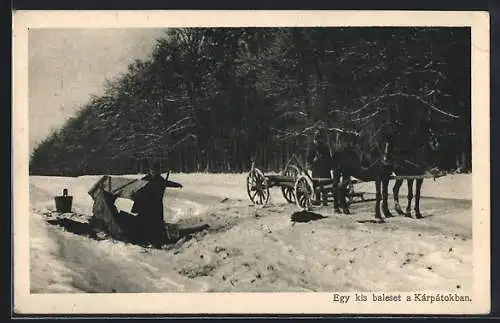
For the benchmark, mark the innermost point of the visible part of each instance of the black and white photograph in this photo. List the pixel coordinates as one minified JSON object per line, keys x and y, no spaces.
{"x":252,"y":156}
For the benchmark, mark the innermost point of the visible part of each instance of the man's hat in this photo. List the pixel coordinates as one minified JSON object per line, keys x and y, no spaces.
{"x":155,"y":167}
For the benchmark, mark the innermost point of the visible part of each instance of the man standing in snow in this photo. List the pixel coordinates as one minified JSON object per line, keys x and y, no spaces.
{"x":148,"y":203}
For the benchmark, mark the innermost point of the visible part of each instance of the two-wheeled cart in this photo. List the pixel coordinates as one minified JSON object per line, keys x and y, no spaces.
{"x":297,"y":186}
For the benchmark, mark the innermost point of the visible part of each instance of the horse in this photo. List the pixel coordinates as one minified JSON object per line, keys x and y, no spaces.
{"x":375,"y":160}
{"x":367,"y":164}
{"x":414,"y":161}
{"x":319,"y":158}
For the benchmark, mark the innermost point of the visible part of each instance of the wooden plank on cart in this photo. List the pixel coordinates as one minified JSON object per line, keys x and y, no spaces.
{"x":281,"y":178}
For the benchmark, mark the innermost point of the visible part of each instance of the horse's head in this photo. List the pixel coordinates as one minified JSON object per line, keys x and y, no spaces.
{"x":419,"y":136}
{"x":429,"y":144}
{"x":319,"y":136}
{"x":429,"y":138}
{"x":433,"y":140}
{"x":433,"y":154}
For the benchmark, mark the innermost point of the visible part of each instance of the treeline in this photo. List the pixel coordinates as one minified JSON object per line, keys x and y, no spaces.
{"x":211,"y":99}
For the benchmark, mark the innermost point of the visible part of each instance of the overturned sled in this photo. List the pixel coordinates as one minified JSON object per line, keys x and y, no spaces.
{"x":122,"y":225}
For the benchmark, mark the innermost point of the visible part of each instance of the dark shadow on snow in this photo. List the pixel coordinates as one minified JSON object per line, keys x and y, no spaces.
{"x":76,"y":227}
{"x":128,"y":222}
{"x":306,"y":216}
{"x":192,"y":230}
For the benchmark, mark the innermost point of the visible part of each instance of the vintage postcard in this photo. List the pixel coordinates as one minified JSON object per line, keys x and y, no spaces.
{"x":287,"y":162}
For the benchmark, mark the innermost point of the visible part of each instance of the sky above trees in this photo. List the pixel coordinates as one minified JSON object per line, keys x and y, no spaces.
{"x":66,"y":66}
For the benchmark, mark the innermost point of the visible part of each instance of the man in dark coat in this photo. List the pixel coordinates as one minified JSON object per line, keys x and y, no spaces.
{"x":148,"y":203}
{"x":321,"y":163}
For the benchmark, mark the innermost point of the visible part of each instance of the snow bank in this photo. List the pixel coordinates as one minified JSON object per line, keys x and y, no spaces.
{"x":337,"y":252}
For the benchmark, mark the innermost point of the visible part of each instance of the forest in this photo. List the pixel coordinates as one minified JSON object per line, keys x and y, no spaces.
{"x":213,"y":99}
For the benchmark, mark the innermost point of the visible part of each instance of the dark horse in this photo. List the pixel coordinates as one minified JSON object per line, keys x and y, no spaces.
{"x":375,"y":158}
{"x":416,"y":160}
{"x":320,"y":160}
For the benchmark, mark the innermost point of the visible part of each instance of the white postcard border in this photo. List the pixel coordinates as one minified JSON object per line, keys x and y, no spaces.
{"x":227,"y":303}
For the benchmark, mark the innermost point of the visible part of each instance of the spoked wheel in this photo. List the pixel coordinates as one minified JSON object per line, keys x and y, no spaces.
{"x":257,"y":188}
{"x":304,"y":192}
{"x":288,"y":191}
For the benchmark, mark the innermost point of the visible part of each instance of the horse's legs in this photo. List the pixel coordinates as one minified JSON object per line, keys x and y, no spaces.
{"x":332,"y":191}
{"x":418,"y":188}
{"x":317,"y":191}
{"x":378,"y":183}
{"x":343,"y":190}
{"x":385,"y":197}
{"x":410,"y":197}
{"x":324,"y":196}
{"x":317,"y":195}
{"x":395,"y":192}
{"x":335,"y":188}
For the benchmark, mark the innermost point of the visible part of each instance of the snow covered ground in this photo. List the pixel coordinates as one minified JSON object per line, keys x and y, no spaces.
{"x":249,"y":249}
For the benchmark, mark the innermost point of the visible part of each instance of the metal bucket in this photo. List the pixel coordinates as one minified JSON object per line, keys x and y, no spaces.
{"x":64,"y":202}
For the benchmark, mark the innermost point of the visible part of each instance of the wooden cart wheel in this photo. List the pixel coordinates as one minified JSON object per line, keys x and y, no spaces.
{"x":288,"y":192}
{"x":304,"y":192}
{"x":257,"y":188}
